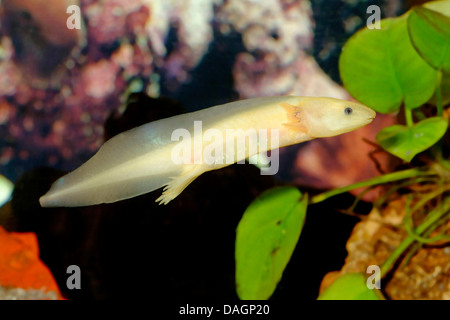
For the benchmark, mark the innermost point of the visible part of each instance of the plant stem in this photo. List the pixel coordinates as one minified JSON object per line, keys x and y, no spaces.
{"x":431,"y":218}
{"x":399,"y":175}
{"x":438,"y":93}
{"x":408,"y":117}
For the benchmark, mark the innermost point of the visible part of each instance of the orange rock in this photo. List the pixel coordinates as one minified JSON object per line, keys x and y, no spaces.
{"x":20,"y":266}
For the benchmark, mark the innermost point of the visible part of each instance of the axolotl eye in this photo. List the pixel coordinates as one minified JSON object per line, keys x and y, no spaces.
{"x":348,"y":111}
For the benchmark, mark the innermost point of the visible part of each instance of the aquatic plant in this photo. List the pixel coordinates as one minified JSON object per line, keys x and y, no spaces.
{"x":403,"y":67}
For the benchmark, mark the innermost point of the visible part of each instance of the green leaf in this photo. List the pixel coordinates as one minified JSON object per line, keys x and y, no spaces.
{"x":429,"y":32}
{"x":439,"y":6}
{"x":381,"y":68}
{"x":266,"y":238}
{"x":350,"y":286}
{"x":406,"y":142}
{"x":444,"y":8}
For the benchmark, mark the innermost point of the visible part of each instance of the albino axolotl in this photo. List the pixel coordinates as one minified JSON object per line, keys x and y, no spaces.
{"x":141,"y":160}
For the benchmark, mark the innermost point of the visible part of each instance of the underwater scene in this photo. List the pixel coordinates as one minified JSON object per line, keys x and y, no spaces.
{"x":224,"y":150}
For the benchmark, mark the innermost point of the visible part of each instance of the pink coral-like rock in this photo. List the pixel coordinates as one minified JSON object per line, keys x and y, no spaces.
{"x":107,"y":19}
{"x":99,"y":79}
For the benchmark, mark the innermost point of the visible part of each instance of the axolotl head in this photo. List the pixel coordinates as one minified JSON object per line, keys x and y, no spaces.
{"x":327,"y":117}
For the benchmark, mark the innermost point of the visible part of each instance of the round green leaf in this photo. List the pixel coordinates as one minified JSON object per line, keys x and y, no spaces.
{"x":381,"y":68}
{"x":444,"y":8}
{"x":350,"y":286}
{"x":405,"y":142}
{"x":430,"y":34}
{"x":266,"y":238}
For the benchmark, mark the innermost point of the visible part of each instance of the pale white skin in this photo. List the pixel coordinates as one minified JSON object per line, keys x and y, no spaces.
{"x":140,"y":160}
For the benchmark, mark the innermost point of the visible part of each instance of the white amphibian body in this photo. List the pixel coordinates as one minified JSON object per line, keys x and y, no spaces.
{"x":141,"y":160}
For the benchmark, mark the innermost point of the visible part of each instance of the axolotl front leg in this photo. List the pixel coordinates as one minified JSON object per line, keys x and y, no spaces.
{"x":178,"y":183}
